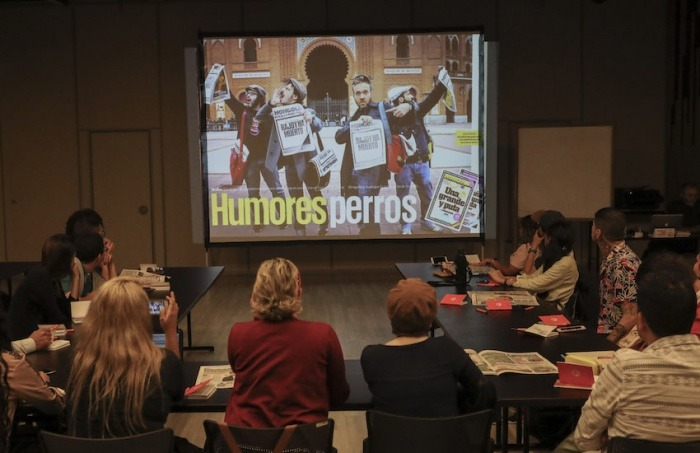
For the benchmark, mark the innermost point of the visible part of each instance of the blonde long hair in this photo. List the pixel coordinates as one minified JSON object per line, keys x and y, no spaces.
{"x":115,"y":357}
{"x":277,"y":290}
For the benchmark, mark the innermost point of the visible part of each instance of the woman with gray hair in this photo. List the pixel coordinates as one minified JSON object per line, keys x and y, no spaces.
{"x":288,"y":371}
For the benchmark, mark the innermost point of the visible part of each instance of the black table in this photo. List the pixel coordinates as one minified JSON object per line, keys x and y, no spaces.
{"x":478,"y":331}
{"x":190,"y":284}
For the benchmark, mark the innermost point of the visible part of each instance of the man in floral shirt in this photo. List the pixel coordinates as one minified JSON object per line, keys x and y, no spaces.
{"x":618,"y":290}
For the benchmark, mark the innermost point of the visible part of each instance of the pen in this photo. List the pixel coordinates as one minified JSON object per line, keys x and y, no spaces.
{"x":529,"y":308}
{"x":481,"y":310}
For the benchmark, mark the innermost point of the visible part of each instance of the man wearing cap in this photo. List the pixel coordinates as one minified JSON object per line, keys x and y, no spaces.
{"x":367,"y":182}
{"x":291,"y":92}
{"x":255,"y":140}
{"x":417,"y":168}
{"x":618,"y":289}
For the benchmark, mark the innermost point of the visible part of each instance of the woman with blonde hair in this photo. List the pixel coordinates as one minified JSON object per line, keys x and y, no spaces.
{"x":288,"y":371}
{"x":121,"y":383}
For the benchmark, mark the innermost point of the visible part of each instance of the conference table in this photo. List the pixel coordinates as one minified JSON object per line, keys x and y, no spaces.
{"x":475,"y":330}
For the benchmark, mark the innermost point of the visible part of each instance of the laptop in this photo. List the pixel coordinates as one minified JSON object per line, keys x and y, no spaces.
{"x":667,"y":220}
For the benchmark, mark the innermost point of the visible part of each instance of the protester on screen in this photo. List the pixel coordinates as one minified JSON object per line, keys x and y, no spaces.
{"x":287,"y":370}
{"x":121,"y":383}
{"x":653,"y":394}
{"x":89,"y":221}
{"x":618,"y":289}
{"x":396,"y":371}
{"x":687,"y":205}
{"x":557,"y":275}
{"x":254,"y":137}
{"x":295,"y":166}
{"x":516,"y":264}
{"x":39,"y":299}
{"x":367,"y":182}
{"x":416,"y":169}
{"x":21,"y":384}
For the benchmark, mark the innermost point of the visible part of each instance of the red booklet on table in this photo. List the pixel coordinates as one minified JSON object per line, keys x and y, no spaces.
{"x":498,"y":304}
{"x":555,"y":320}
{"x":454,"y":299}
{"x":572,"y":375}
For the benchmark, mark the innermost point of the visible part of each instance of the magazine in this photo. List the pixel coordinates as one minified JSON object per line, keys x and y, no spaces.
{"x":495,"y":363}
{"x":520,"y":297}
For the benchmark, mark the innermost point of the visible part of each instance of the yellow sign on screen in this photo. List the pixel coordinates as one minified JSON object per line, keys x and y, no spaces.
{"x":467,"y":137}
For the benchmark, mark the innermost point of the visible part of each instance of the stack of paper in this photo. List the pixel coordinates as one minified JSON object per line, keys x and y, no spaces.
{"x":79,"y":309}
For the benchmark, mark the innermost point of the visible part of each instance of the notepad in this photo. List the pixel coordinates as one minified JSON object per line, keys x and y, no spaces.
{"x":58,"y":344}
{"x":575,"y":376}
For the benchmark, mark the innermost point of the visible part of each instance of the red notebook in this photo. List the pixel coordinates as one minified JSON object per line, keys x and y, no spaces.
{"x":555,"y":320}
{"x":498,"y":304}
{"x":573,"y":375}
{"x":454,"y":299}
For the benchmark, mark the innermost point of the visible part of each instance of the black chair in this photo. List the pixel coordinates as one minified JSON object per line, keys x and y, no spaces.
{"x":388,"y":433}
{"x":629,"y":445}
{"x":584,"y":304}
{"x":160,"y":441}
{"x":308,"y":437}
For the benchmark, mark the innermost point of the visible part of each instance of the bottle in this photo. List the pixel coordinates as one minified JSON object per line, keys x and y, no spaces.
{"x":461,"y":271}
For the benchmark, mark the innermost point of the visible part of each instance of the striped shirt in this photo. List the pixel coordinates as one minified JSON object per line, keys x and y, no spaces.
{"x":652,"y":395}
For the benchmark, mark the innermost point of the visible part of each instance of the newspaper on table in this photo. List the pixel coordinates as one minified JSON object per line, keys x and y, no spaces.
{"x":449,"y":203}
{"x":367,"y":144}
{"x":518,"y":297}
{"x":221,"y":375}
{"x":495,"y":363}
{"x":146,"y":278}
{"x":293,"y":131}
{"x":216,"y":85}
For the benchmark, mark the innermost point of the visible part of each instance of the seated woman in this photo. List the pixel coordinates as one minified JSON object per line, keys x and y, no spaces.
{"x":557,"y":275}
{"x":121,"y":383}
{"x":416,"y":375}
{"x":19,"y":382}
{"x":288,"y":371}
{"x":39,"y":299}
{"x":516,"y":264}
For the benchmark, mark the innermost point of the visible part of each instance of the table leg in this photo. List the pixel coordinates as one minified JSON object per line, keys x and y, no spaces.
{"x":504,"y":429}
{"x":189,"y":346}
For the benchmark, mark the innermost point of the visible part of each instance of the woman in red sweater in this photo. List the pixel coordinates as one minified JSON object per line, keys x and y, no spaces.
{"x":288,"y":371}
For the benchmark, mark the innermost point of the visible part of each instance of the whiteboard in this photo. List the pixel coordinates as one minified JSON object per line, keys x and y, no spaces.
{"x":568,"y":169}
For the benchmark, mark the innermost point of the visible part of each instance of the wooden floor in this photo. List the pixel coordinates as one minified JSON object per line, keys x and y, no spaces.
{"x":352,"y":302}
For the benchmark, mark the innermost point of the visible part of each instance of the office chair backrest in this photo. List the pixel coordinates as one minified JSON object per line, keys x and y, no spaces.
{"x":388,"y":433}
{"x":160,"y":441}
{"x":629,"y":445}
{"x":308,"y":437}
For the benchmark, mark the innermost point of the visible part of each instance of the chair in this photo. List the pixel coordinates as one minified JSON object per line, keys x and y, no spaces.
{"x":629,"y":445}
{"x":584,"y":303}
{"x":308,"y":437}
{"x":388,"y":433}
{"x":160,"y":441}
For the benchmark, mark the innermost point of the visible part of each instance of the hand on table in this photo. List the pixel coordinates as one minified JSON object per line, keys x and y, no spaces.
{"x":497,"y":277}
{"x":42,"y":338}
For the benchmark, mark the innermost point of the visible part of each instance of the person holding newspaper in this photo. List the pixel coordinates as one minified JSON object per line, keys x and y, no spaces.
{"x":291,"y":145}
{"x":366,"y":182}
{"x":416,"y":169}
{"x":252,"y":140}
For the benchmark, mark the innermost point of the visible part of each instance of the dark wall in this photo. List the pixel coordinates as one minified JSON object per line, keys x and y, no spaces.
{"x":69,"y":71}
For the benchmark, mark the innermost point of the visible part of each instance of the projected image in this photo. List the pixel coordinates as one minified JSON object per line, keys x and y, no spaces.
{"x":342,"y":137}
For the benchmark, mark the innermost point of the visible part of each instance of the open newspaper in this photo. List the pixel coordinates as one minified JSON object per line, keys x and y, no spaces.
{"x":146,"y":278}
{"x":209,"y":379}
{"x":520,"y":297}
{"x":496,"y":363}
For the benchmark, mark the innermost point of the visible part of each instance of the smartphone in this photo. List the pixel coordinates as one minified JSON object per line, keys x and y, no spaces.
{"x":155,"y":306}
{"x":570,"y":328}
{"x":437,"y":260}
